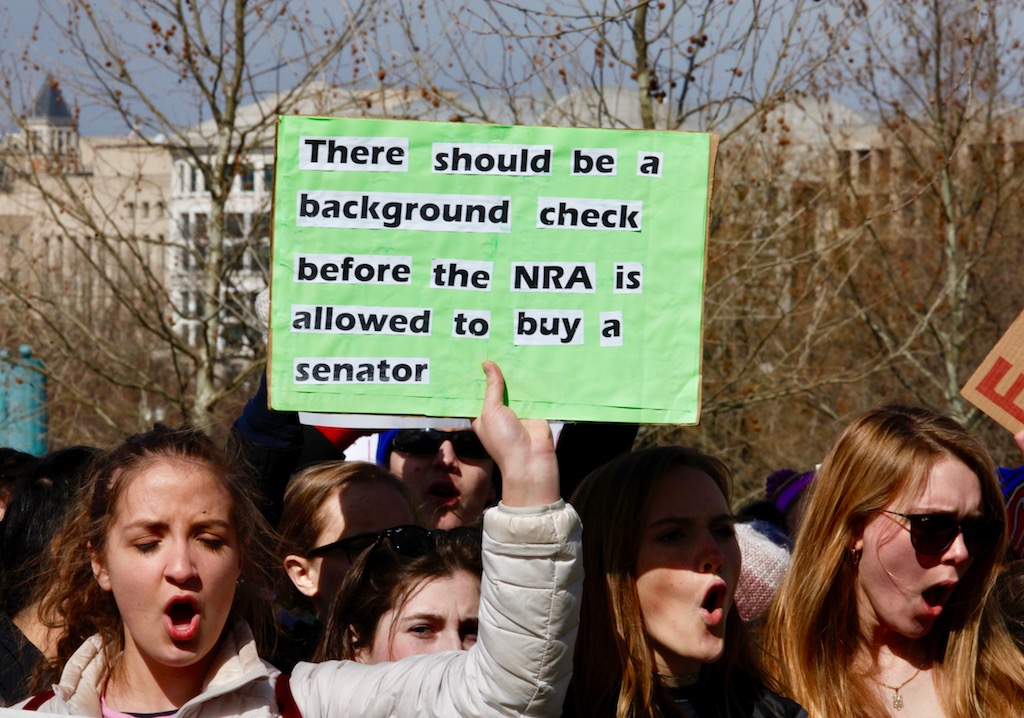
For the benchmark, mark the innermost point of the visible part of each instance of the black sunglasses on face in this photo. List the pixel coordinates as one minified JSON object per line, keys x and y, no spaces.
{"x":933,"y":534}
{"x":427,"y":441}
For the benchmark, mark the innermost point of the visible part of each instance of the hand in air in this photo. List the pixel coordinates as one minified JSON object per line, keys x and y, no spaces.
{"x":523,"y":448}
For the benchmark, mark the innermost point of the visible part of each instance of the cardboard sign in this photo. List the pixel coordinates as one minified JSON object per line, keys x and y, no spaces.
{"x":405,"y":253}
{"x":996,"y":385}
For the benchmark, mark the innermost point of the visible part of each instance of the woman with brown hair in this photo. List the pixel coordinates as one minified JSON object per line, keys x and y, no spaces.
{"x":901,"y":542}
{"x":660,"y":634}
{"x":331,"y":512}
{"x":414,"y":591}
{"x":163,"y":563}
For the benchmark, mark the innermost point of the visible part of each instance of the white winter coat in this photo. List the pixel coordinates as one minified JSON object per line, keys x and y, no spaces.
{"x":520,"y":665}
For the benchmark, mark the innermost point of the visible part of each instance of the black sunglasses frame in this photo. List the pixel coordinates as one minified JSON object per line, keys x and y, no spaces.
{"x":465,"y":442}
{"x":351,"y":546}
{"x":980,"y":534}
{"x":407,"y":540}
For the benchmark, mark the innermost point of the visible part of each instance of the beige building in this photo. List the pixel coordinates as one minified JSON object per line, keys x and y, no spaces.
{"x":79,"y":216}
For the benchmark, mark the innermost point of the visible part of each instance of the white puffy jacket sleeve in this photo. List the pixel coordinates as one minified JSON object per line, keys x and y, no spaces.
{"x":522,"y":661}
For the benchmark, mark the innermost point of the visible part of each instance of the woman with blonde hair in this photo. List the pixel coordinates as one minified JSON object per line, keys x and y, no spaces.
{"x":660,"y":633}
{"x":900,"y":545}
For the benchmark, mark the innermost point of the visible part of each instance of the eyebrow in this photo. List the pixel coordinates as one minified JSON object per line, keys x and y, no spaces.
{"x":690,"y":520}
{"x":221,"y":524}
{"x":437,"y":617}
{"x":422,"y":617}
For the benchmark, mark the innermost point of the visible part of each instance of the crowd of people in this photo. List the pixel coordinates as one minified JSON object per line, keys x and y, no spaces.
{"x":491,"y":571}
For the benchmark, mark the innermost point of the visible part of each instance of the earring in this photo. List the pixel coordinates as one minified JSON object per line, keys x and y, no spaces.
{"x":855,"y":553}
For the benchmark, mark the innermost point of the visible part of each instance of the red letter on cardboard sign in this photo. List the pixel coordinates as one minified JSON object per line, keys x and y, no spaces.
{"x":987,"y":388}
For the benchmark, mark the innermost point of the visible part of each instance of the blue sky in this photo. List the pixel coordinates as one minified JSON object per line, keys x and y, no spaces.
{"x":24,"y":26}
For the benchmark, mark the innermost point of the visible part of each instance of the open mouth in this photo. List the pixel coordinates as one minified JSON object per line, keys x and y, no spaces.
{"x":713,"y":604}
{"x":936,"y":596}
{"x":182,"y":620}
{"x":443,"y":490}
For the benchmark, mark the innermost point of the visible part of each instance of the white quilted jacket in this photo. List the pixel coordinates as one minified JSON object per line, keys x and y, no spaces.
{"x":520,"y":665}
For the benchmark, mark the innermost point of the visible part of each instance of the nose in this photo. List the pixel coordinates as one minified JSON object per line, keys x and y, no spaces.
{"x":180,"y":567}
{"x":450,"y":640}
{"x":711,"y":556}
{"x":446,"y":454}
{"x":957,"y":551}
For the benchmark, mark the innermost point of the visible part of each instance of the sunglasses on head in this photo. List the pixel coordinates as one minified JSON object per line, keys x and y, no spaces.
{"x":933,"y":534}
{"x":416,"y":541}
{"x":409,"y":541}
{"x":427,"y":441}
{"x":352,"y":546}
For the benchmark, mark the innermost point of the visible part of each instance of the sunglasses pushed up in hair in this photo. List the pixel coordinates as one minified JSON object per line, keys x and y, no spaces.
{"x":409,"y":541}
{"x":352,"y":546}
{"x":427,"y":441}
{"x":933,"y":534}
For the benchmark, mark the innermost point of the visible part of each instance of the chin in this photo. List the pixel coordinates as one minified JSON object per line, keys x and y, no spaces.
{"x":712,"y":651}
{"x":446,"y":519}
{"x":179,"y":658}
{"x":187,"y":653}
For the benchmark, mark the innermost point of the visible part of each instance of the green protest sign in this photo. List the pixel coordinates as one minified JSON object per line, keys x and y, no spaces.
{"x":405,"y":253}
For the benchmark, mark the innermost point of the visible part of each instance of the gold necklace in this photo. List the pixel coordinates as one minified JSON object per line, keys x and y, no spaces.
{"x":897,"y":699}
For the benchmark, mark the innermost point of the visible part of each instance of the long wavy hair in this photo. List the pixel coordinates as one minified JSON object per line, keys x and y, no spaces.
{"x":77,"y":605}
{"x":812,"y":633}
{"x":613,"y":672}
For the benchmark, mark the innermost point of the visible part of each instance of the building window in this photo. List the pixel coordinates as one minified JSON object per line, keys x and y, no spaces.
{"x":268,"y":179}
{"x":262,"y":254}
{"x":261,"y":226}
{"x":247,"y":179}
{"x":864,"y":166}
{"x":234,"y":226}
{"x":883,"y":165}
{"x":844,"y":162}
{"x":199,"y":233}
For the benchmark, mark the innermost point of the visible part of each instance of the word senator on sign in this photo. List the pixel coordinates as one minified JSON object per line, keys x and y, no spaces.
{"x":362,"y":370}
